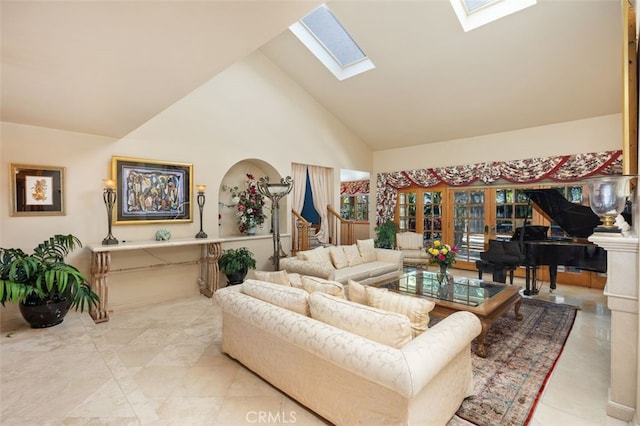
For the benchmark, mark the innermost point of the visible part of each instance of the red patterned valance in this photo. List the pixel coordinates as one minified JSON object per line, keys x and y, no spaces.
{"x":360,"y":187}
{"x":565,"y":168}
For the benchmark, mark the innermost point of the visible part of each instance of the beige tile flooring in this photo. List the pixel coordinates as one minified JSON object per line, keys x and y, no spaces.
{"x":161,"y":365}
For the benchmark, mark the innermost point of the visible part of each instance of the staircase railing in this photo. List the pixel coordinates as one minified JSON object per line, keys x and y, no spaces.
{"x":341,"y":231}
{"x":301,"y":240}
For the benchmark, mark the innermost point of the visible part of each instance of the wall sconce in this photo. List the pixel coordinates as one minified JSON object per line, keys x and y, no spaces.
{"x":201,"y":200}
{"x":607,"y":197}
{"x":275,"y":192}
{"x":109,"y":197}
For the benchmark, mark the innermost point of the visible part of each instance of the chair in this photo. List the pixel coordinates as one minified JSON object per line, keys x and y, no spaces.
{"x":411,"y":244}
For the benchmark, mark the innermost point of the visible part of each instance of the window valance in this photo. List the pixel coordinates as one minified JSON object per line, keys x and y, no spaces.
{"x":565,"y":168}
{"x":360,"y":187}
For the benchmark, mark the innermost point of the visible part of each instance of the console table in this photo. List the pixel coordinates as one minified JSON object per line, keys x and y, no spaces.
{"x":101,"y":262}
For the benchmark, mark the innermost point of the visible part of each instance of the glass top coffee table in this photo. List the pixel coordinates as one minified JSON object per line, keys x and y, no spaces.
{"x":486,"y":299}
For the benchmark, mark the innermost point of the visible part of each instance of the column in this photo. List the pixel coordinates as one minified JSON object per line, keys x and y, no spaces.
{"x":622,"y":298}
{"x":208,"y":279}
{"x":100,"y":262}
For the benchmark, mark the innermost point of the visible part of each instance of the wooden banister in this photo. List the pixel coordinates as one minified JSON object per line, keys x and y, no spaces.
{"x":341,"y":230}
{"x":301,"y":227}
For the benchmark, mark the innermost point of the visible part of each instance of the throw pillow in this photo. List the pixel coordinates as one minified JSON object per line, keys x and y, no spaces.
{"x":367,"y":250}
{"x":357,"y":292}
{"x":338,"y":257}
{"x":318,"y":255}
{"x":276,"y":277}
{"x":353,"y":254}
{"x":311,"y":284}
{"x":295,"y":279}
{"x":388,"y":328}
{"x":415,"y":308}
{"x":293,"y":299}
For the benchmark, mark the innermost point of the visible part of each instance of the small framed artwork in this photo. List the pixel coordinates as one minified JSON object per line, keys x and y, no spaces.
{"x":37,"y":190}
{"x":150,"y":191}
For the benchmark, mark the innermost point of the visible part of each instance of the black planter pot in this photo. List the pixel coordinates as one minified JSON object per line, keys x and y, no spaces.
{"x":237,"y":278}
{"x":44,"y":313}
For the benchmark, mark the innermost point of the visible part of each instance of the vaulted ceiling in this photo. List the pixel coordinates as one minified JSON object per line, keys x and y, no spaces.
{"x":107,"y":67}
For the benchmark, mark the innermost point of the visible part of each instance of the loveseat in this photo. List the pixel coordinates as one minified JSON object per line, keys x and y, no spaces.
{"x":361,"y":262}
{"x":296,"y":341}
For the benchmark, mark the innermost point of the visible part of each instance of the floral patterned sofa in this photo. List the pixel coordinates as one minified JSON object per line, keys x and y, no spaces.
{"x":351,"y":363}
{"x":361,"y":262}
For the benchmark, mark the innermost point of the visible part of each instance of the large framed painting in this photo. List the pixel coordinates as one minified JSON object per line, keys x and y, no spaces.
{"x":150,"y":191}
{"x":37,"y":190}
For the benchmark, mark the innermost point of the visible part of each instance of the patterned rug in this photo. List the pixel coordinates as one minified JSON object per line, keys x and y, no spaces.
{"x":522,"y":354}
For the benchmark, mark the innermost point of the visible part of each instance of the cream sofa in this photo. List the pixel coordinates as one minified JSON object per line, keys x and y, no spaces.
{"x":344,"y":377}
{"x":411,"y":244}
{"x":359,"y":262}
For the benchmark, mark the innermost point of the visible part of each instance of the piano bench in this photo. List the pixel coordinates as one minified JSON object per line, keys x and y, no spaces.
{"x":499,"y":272}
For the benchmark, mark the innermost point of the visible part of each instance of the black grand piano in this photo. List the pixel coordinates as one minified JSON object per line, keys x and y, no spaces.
{"x":538,"y":249}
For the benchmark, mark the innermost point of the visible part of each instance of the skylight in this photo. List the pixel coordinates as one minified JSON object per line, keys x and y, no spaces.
{"x":330,"y":42}
{"x":473,"y":5}
{"x":475,"y":13}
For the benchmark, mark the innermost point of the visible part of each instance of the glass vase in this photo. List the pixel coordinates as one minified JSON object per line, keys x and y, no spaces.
{"x":445,"y":283}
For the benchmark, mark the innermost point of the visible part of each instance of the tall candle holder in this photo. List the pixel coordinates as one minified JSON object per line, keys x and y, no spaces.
{"x":109,"y":197}
{"x":275,"y":191}
{"x":201,"y":199}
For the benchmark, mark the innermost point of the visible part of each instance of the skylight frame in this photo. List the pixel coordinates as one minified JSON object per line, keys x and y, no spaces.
{"x":487,"y":13}
{"x":323,"y":52}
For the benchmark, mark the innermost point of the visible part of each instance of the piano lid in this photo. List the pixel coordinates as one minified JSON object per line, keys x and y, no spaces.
{"x":575,"y":219}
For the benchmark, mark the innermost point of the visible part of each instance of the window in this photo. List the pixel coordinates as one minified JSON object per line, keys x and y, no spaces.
{"x":512,"y":209}
{"x":475,"y":13}
{"x":407,"y":211}
{"x":432,"y":216}
{"x":321,"y":32}
{"x":473,"y":5}
{"x":354,"y":207}
{"x":468,"y":223}
{"x":421,"y":210}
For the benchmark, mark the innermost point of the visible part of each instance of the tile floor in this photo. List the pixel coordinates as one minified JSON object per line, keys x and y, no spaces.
{"x":161,"y":365}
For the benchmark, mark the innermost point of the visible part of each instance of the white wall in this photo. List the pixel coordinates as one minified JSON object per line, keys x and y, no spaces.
{"x":250,"y":111}
{"x":590,"y":135}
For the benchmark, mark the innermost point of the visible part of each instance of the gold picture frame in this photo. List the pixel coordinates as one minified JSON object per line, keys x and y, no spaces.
{"x":37,"y":190}
{"x":152,"y":191}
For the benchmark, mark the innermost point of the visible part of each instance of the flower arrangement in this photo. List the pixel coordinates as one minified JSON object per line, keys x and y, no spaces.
{"x":248,"y":203}
{"x":442,"y":255}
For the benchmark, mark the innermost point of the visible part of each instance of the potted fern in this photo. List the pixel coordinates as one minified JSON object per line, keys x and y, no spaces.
{"x":235,"y":263}
{"x":386,"y":234}
{"x":42,"y":284}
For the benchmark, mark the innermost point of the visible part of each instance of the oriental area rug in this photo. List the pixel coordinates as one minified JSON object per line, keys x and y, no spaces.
{"x":521,"y":357}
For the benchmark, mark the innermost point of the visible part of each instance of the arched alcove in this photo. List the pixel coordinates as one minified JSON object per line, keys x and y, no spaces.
{"x":236,"y":176}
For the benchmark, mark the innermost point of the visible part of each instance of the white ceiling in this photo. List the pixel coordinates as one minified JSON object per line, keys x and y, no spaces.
{"x":107,"y":67}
